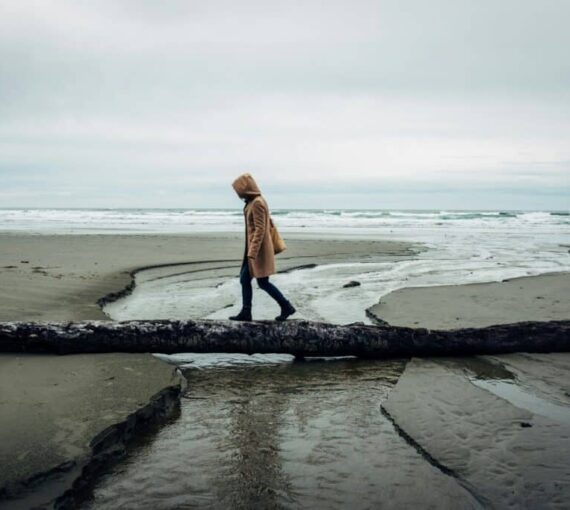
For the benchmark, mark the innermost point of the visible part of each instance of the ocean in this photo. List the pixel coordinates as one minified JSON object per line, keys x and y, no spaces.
{"x":407,"y":223}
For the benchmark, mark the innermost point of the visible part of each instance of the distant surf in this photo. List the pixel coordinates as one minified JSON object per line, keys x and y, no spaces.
{"x":216,"y":220}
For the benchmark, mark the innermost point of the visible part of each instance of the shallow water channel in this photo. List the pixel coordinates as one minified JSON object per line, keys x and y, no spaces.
{"x":288,"y":435}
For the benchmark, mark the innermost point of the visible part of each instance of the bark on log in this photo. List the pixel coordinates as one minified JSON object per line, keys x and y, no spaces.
{"x":300,"y":338}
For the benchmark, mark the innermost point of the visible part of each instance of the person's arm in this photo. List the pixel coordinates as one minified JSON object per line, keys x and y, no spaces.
{"x":259,"y":214}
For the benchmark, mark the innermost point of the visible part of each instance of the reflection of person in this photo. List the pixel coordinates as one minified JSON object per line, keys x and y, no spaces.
{"x":251,"y":473}
{"x":259,"y":256}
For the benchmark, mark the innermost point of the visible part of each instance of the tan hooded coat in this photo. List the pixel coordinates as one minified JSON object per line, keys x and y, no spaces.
{"x":258,"y":244}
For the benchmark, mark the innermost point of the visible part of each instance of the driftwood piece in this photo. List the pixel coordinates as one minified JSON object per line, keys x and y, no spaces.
{"x":300,"y":338}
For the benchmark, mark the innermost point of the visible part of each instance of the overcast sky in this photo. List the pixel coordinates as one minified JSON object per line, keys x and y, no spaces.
{"x":333,"y":103}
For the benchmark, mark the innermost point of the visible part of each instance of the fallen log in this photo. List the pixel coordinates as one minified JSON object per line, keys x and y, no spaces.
{"x":300,"y":338}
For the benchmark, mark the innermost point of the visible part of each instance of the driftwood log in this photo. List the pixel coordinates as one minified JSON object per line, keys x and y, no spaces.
{"x":300,"y":338}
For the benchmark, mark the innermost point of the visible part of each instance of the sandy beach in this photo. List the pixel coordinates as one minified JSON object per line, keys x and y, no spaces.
{"x":499,"y":425}
{"x":540,"y":298}
{"x":48,"y":401}
{"x":409,"y":350}
{"x":62,"y":416}
{"x":63,"y":277}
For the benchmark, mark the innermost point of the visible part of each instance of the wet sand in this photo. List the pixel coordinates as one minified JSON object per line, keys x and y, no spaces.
{"x":301,"y":435}
{"x":503,"y":437}
{"x":480,"y":432}
{"x":488,"y":431}
{"x":52,"y":408}
{"x":499,"y":425}
{"x":60,"y":415}
{"x":61,"y":277}
{"x":533,"y":298}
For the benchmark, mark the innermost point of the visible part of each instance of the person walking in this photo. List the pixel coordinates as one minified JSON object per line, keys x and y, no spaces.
{"x":259,"y":256}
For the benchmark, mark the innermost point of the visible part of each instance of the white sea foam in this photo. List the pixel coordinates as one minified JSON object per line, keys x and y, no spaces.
{"x":462,"y":247}
{"x":335,"y":221}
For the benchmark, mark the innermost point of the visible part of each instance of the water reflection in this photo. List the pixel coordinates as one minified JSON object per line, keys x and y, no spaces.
{"x":253,"y":477}
{"x":300,"y":435}
{"x":479,"y":368}
{"x":506,"y":377}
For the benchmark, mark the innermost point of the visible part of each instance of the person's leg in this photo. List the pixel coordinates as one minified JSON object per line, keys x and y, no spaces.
{"x":272,"y":290}
{"x":246,"y":295}
{"x":246,"y":289}
{"x":287,"y":308}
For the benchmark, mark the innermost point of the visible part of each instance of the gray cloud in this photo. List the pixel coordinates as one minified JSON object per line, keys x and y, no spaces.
{"x":101,"y":98}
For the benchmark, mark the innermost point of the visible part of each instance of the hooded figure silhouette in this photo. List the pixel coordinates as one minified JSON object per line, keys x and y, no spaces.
{"x":259,"y":256}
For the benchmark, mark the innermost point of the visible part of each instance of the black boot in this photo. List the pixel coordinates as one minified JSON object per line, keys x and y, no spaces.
{"x":287,"y":309}
{"x":244,"y":315}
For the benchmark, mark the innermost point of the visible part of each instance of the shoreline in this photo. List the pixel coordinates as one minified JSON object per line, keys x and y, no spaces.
{"x":73,"y":293}
{"x":64,"y":277}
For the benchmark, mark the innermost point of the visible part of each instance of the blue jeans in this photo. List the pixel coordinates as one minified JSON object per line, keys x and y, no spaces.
{"x":264,"y":283}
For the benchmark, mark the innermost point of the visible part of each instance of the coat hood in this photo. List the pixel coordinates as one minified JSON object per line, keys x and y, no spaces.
{"x":246,"y":187}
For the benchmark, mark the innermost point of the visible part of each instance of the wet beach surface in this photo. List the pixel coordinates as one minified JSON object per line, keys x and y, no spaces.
{"x":294,"y":435}
{"x":480,"y":432}
{"x":500,"y":425}
{"x":316,"y":435}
